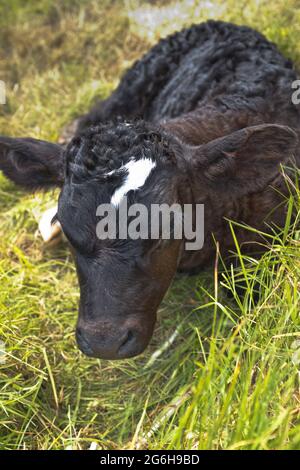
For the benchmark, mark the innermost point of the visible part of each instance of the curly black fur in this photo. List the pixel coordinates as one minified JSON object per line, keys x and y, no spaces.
{"x":217,"y":61}
{"x":98,"y":150}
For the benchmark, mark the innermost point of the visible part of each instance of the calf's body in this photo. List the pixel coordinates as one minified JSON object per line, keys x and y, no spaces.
{"x":201,"y":84}
{"x":208,"y":110}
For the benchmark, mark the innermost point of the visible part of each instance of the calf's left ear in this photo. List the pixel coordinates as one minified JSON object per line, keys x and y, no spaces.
{"x":32,"y":163}
{"x":246,"y":160}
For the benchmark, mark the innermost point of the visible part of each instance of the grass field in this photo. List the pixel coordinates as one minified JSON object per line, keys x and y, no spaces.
{"x":220,"y":373}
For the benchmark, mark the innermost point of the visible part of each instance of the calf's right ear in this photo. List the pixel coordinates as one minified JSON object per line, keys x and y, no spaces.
{"x":246,"y":160}
{"x":32,"y":163}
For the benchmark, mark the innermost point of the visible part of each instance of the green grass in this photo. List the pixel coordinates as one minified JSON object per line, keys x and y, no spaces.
{"x":219,"y":373}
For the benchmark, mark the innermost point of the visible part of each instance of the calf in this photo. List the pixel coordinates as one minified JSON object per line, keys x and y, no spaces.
{"x":205,"y":117}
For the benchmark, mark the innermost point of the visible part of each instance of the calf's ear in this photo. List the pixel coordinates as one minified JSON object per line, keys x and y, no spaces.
{"x":246,"y":160}
{"x":32,"y":163}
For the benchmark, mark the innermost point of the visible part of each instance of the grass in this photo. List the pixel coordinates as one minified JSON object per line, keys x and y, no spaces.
{"x":220,"y":373}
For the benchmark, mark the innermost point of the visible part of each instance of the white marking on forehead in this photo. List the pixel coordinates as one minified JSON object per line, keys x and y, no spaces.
{"x":137,"y":173}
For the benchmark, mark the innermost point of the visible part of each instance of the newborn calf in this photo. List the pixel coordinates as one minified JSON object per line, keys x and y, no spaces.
{"x":205,"y":117}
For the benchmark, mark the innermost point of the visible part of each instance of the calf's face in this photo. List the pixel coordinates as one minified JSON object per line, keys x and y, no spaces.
{"x":123,"y":280}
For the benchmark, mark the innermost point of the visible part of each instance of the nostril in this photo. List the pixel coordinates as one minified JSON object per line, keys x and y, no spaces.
{"x":79,"y":333}
{"x":128,"y":337}
{"x":126,"y":342}
{"x":83,"y":343}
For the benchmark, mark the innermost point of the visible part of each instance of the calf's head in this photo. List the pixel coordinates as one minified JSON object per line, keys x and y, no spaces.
{"x":123,"y":280}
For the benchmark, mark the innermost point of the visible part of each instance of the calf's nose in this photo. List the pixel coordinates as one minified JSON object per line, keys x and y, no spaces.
{"x":107,"y":342}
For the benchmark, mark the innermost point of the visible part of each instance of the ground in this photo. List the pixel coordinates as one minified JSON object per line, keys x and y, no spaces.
{"x":220,"y":373}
